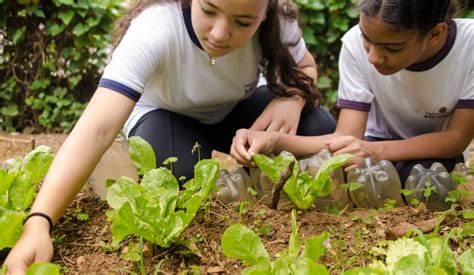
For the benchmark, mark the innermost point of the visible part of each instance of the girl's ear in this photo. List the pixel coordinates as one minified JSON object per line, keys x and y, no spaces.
{"x":438,"y":32}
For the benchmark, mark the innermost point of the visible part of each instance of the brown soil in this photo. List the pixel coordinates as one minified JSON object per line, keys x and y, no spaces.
{"x":79,"y":249}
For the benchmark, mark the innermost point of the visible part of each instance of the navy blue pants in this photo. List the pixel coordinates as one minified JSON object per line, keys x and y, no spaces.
{"x":404,"y":167}
{"x":173,"y":135}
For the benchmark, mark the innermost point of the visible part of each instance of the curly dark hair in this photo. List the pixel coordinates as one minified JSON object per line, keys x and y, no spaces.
{"x":281,"y":72}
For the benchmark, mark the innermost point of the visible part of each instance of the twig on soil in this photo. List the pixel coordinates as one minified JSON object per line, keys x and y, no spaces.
{"x":222,"y":217}
{"x":278,"y":241}
{"x":225,"y":205}
{"x":165,"y":252}
{"x":259,"y":201}
{"x":204,"y":238}
{"x":83,"y":244}
{"x":68,"y":262}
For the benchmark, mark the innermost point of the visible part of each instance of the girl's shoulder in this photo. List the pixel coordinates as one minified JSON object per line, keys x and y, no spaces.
{"x":159,"y":13}
{"x":465,"y":27}
{"x":464,"y":42}
{"x":353,"y":34}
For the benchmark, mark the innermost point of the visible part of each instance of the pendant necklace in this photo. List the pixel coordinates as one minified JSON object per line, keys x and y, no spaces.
{"x":212,"y":61}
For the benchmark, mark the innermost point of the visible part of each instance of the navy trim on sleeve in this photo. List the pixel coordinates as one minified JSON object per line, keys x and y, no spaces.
{"x":349,"y":104}
{"x":465,"y":103}
{"x":120,"y":88}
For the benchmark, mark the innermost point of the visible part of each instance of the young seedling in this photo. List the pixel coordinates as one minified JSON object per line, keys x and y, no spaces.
{"x":197,"y":148}
{"x":241,"y":243}
{"x":170,"y":161}
{"x":301,"y":188}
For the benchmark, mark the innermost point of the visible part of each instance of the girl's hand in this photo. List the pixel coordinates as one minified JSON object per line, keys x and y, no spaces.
{"x":247,"y":142}
{"x":281,"y":115}
{"x":360,"y":149}
{"x":33,"y":246}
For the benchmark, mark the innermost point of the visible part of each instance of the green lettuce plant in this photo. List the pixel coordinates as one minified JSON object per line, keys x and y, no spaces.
{"x":422,"y":255}
{"x":301,"y":188}
{"x":18,"y":186}
{"x":156,"y":209}
{"x":38,"y":269}
{"x":241,"y":243}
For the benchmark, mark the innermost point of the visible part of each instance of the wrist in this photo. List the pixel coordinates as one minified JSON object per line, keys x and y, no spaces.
{"x":276,"y":142}
{"x":38,"y":221}
{"x":300,"y":100}
{"x":376,"y":151}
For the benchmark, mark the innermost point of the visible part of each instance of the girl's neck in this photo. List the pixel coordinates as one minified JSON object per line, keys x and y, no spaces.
{"x":434,"y":49}
{"x":437,"y":52}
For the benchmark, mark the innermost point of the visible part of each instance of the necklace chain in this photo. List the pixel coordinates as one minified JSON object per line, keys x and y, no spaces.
{"x":212,"y":61}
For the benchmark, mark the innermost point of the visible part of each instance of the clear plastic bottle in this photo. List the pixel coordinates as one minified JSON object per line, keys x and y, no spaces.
{"x":115,"y":163}
{"x":430,"y":186}
{"x":380,"y":183}
{"x":468,"y":187}
{"x":339,"y":198}
{"x":233,"y":186}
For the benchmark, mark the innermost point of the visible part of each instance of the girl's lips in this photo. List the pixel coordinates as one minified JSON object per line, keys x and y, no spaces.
{"x":381,"y":69}
{"x":215,"y":47}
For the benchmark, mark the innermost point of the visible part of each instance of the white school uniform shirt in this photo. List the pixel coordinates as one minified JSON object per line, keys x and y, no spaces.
{"x":160,"y":64}
{"x":417,"y":100}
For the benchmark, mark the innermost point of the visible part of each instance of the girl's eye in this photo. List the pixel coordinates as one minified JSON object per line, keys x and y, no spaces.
{"x":243,"y":24}
{"x":393,"y":50}
{"x":208,"y":12}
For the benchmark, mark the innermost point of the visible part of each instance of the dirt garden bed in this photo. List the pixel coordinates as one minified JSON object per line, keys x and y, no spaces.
{"x":82,"y":234}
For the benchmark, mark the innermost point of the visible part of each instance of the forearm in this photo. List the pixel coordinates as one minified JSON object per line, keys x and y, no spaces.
{"x":434,"y":145}
{"x":70,"y":169}
{"x":300,"y":146}
{"x":81,"y":152}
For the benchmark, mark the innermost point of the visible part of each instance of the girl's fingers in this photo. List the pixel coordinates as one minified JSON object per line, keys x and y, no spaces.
{"x":292,"y":130}
{"x":337,"y":144}
{"x":350,"y":167}
{"x":239,"y":146}
{"x":275,"y":127}
{"x":261,"y":124}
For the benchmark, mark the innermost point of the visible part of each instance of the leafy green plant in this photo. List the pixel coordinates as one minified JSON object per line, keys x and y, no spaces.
{"x":351,"y":186}
{"x":39,"y":269}
{"x":52,"y":54}
{"x":242,"y":208}
{"x":80,"y":215}
{"x":241,"y":243}
{"x":156,"y":209}
{"x":422,"y":255}
{"x":18,"y":186}
{"x":459,"y":179}
{"x":301,"y":188}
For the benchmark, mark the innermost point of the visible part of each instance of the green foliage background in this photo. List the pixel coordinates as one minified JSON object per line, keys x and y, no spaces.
{"x":51,"y":57}
{"x":52,"y":54}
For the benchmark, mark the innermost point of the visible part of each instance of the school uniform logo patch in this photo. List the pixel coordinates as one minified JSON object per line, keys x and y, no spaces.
{"x":442,"y":113}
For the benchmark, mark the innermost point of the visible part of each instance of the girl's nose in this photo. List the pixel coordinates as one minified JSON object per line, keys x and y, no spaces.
{"x":375,"y":56}
{"x":220,"y":31}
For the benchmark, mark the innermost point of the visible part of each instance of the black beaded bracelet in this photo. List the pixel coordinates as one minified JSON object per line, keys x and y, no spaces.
{"x":50,"y":221}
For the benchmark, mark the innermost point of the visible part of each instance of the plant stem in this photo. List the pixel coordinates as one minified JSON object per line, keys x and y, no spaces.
{"x":142,"y":264}
{"x":280,"y":183}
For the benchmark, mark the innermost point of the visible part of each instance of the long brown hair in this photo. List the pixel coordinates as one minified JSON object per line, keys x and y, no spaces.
{"x":282,"y":70}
